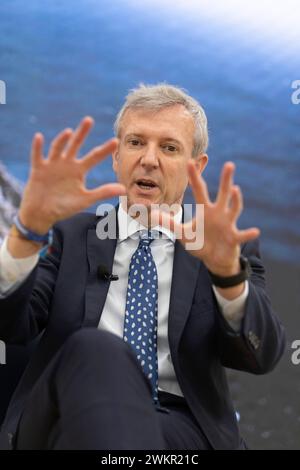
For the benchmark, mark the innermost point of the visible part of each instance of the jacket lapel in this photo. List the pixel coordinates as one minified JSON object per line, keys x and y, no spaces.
{"x":185,"y":273}
{"x":99,"y":252}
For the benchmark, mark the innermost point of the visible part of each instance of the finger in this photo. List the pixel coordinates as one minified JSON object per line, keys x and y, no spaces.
{"x":198,"y":184}
{"x":37,"y":149}
{"x":244,"y":236}
{"x":58,"y":144}
{"x":226,"y":179}
{"x":79,"y":137}
{"x":236,"y":203}
{"x":98,"y":154}
{"x":105,"y":191}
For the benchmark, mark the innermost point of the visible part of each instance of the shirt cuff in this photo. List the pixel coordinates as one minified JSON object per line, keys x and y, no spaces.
{"x":13,"y":271}
{"x":233,"y":310}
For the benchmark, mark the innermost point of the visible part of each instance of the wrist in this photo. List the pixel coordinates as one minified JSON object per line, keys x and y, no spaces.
{"x":44,"y":239}
{"x":226,"y":270}
{"x":232,"y":280}
{"x":20,"y":247}
{"x":41,"y":227}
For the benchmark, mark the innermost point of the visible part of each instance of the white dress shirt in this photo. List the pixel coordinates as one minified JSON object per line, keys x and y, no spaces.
{"x":14,"y":271}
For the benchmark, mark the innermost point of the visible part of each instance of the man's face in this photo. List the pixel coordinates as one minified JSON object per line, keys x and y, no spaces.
{"x":152,"y":155}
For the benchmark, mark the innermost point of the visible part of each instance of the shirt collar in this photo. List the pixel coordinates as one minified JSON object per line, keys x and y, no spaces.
{"x":129,"y":227}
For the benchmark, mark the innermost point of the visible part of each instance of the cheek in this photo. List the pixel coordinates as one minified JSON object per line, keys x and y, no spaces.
{"x":178,"y":179}
{"x":124,"y":171}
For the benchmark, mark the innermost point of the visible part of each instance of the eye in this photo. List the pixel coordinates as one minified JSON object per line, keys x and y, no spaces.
{"x":170,"y":148}
{"x":134,"y":142}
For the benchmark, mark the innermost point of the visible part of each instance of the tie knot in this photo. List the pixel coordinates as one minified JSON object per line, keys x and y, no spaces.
{"x":147,"y":237}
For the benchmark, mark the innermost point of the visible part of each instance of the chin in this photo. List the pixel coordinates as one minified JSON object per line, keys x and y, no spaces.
{"x":141,"y":200}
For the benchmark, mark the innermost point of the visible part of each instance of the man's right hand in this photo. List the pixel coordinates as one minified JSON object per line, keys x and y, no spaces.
{"x":56,"y":187}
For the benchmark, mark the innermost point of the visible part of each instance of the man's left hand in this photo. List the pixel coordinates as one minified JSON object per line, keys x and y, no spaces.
{"x":222,"y":239}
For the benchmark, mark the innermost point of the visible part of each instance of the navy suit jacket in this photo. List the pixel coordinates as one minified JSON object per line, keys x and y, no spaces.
{"x":63,"y":294}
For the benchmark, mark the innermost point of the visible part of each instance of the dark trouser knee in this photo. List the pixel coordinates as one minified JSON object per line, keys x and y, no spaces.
{"x":100,"y":354}
{"x":94,"y":382}
{"x":90,"y":342}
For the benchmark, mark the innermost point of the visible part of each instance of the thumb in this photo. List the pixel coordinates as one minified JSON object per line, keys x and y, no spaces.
{"x":106,"y":191}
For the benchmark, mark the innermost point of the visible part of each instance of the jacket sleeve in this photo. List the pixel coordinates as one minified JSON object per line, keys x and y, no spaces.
{"x":24,"y":312}
{"x":261,"y":341}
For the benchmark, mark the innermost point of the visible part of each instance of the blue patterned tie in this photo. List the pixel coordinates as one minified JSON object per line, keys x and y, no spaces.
{"x":140,"y":325}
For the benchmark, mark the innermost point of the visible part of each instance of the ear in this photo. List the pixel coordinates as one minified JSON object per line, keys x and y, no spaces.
{"x":115,"y":158}
{"x":201,"y":162}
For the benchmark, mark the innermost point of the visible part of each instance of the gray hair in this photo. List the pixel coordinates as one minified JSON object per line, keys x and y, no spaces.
{"x":162,"y":95}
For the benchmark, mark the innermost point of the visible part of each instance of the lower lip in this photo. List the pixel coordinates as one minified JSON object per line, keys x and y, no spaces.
{"x":150,"y":190}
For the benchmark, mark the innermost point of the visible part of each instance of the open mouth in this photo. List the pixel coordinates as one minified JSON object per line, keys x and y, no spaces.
{"x":146,"y":184}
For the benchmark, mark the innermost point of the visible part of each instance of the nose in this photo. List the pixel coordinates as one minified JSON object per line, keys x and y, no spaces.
{"x":149,"y":157}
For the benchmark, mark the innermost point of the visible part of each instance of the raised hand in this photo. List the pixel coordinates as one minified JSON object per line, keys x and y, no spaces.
{"x":222,"y":239}
{"x":56,"y":187}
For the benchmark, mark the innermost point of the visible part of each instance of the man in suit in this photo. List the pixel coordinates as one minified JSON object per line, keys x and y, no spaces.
{"x":137,"y":328}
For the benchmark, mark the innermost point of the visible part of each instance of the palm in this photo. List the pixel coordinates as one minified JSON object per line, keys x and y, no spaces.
{"x":218,"y":244}
{"x":219,"y":236}
{"x":56,"y":187}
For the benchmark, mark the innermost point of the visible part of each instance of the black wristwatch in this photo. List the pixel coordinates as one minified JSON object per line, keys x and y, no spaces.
{"x":231,"y":281}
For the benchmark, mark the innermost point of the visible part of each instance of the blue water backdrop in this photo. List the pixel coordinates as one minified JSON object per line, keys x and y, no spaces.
{"x":62,"y":60}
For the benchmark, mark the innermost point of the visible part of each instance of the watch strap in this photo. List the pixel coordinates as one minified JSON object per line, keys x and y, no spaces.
{"x":231,"y":281}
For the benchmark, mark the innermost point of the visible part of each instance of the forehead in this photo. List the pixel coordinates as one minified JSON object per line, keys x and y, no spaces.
{"x":170,"y":122}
